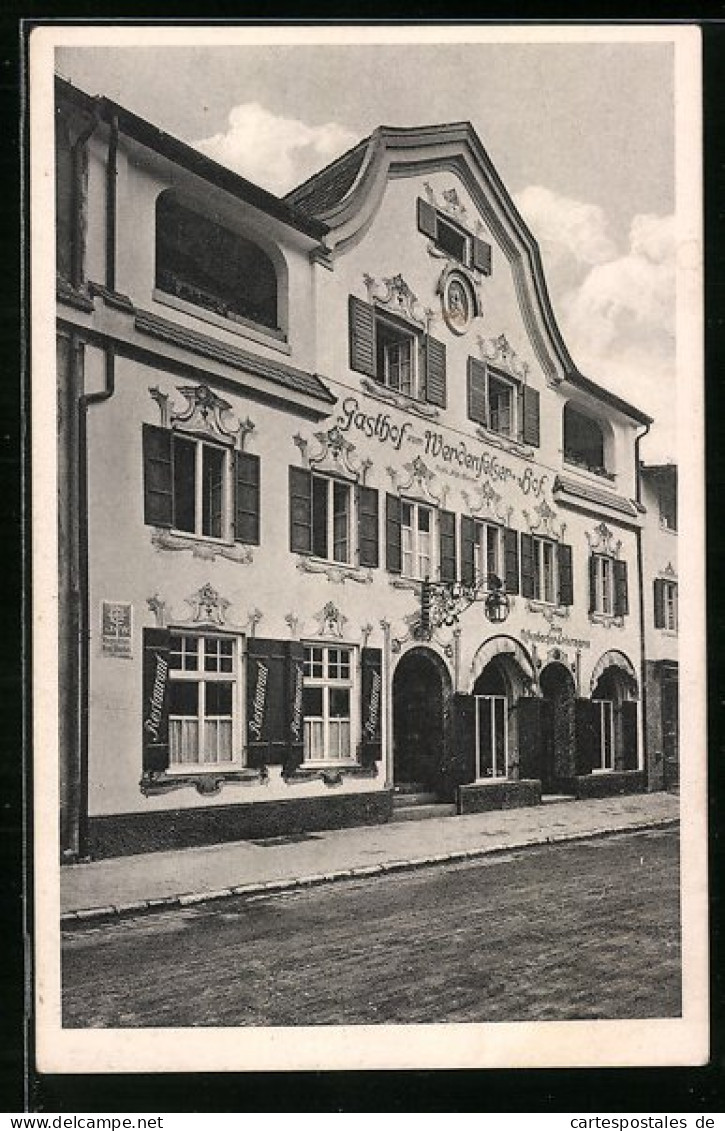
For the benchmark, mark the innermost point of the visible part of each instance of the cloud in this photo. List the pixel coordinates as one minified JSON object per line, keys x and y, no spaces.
{"x":565,"y":227}
{"x":274,"y":151}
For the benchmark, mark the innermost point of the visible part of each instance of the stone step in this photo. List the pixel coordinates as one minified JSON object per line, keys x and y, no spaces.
{"x":401,"y":800}
{"x":548,"y":798}
{"x":423,"y":812}
{"x":411,"y":787}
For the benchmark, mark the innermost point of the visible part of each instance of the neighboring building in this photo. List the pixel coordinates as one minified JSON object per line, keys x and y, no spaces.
{"x":278,"y":417}
{"x":661,"y":619}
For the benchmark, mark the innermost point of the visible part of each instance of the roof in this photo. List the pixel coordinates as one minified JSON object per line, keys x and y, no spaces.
{"x":585,"y":492}
{"x":321,"y":193}
{"x":298,"y":380}
{"x":191,"y":159}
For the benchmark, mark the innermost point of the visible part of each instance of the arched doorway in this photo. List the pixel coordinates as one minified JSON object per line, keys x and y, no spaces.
{"x":497,"y":691}
{"x":420,"y":683}
{"x":615,"y":720}
{"x":558,"y":740}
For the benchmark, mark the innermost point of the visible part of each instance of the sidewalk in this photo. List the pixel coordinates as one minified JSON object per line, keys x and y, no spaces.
{"x":135,"y":884}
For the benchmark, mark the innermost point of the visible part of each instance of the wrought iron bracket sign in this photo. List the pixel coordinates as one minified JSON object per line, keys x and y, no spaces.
{"x":442,"y":603}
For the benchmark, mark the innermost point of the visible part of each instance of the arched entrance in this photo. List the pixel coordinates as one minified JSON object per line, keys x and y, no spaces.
{"x":497,"y":691}
{"x":615,"y":720}
{"x":420,"y":683}
{"x":558,"y":740}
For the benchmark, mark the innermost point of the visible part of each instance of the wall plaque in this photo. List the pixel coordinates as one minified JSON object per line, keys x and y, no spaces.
{"x":117,"y":629}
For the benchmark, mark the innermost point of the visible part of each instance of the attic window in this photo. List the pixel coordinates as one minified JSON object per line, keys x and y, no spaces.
{"x":453,"y":240}
{"x":212,"y":267}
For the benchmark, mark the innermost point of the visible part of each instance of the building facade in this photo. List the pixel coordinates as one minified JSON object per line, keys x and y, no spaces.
{"x":661,"y":617}
{"x":339,"y":516}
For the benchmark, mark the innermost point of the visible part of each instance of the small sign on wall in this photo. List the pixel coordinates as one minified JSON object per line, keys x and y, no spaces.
{"x":117,"y":629}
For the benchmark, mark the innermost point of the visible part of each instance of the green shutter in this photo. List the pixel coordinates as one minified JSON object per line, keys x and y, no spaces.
{"x":367,"y":527}
{"x":566,"y":575}
{"x":481,"y":255}
{"x":630,"y":759}
{"x":435,"y":372}
{"x":476,"y":386}
{"x":393,"y":550}
{"x":427,"y":222}
{"x":371,"y":706}
{"x":447,"y":533}
{"x":157,"y":476}
{"x":362,"y":336}
{"x":511,"y":560}
{"x":300,"y":510}
{"x":246,"y":498}
{"x":659,"y":600}
{"x":587,"y":735}
{"x":528,"y":565}
{"x":531,"y":430}
{"x":155,"y":707}
{"x":621,"y":596}
{"x":468,"y":550}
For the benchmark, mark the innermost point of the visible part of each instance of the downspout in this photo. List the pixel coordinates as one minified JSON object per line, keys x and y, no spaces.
{"x":84,"y":623}
{"x":640,"y":580}
{"x":111,"y":175}
{"x":77,"y":159}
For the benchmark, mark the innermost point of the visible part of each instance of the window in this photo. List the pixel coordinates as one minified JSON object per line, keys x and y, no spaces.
{"x":603,"y":584}
{"x":327,"y":703}
{"x":452,"y":239}
{"x":331,"y":519}
{"x":492,"y":736}
{"x":397,"y":354}
{"x":65,"y":217}
{"x":202,"y":701}
{"x":544,"y":570}
{"x":205,"y":264}
{"x":487,"y":553}
{"x":501,"y":405}
{"x":583,"y":440}
{"x":605,"y":725}
{"x":200,"y":487}
{"x":667,"y":491}
{"x":666,"y":604}
{"x":416,"y":540}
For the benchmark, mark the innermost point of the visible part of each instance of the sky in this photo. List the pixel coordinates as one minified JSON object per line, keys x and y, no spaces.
{"x":582,"y":135}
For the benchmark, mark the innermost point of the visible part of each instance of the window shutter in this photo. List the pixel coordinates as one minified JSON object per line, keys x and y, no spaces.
{"x":529,"y":712}
{"x":367,"y":527}
{"x":427,"y":223}
{"x":459,"y":764}
{"x":587,"y":735}
{"x":527,"y":565}
{"x":246,"y":498}
{"x":393,"y":551}
{"x":468,"y":550}
{"x":155,"y":709}
{"x":158,"y":491}
{"x":371,"y":707}
{"x":566,"y":575}
{"x":659,"y":603}
{"x":621,"y":597}
{"x":482,"y":255}
{"x":477,"y":407}
{"x":531,"y":431}
{"x":447,"y":531}
{"x":435,"y":372}
{"x":511,"y":560}
{"x":300,"y":510}
{"x":630,"y":760}
{"x":592,"y":583}
{"x":267,"y":702}
{"x":362,"y":336}
{"x":295,"y":673}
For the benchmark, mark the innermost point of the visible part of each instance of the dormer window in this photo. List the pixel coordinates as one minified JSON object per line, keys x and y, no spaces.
{"x":583,"y":441}
{"x":207,"y":265}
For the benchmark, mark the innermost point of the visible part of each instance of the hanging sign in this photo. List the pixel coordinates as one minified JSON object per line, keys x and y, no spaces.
{"x":117,"y":629}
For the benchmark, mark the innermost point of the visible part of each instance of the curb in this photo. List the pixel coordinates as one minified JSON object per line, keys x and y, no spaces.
{"x":260,"y":889}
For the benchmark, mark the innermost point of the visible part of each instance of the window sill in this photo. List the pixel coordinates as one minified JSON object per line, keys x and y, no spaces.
{"x":336,"y":572}
{"x":671,"y":632}
{"x":330,"y":773}
{"x":548,"y":609}
{"x":205,"y":548}
{"x":506,"y":443}
{"x":607,"y":619}
{"x":668,"y":529}
{"x":207,"y":782}
{"x":601,"y":477}
{"x":254,"y":331}
{"x":402,"y":401}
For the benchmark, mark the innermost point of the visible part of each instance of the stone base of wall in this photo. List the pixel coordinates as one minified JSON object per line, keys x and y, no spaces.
{"x":607,"y":785}
{"x":483,"y":796}
{"x":128,"y":833}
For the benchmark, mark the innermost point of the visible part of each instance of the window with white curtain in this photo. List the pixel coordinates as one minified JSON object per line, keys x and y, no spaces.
{"x":327,"y":700}
{"x":203,"y":691}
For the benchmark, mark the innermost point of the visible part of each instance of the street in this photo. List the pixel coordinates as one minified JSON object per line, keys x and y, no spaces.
{"x":577,"y":931}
